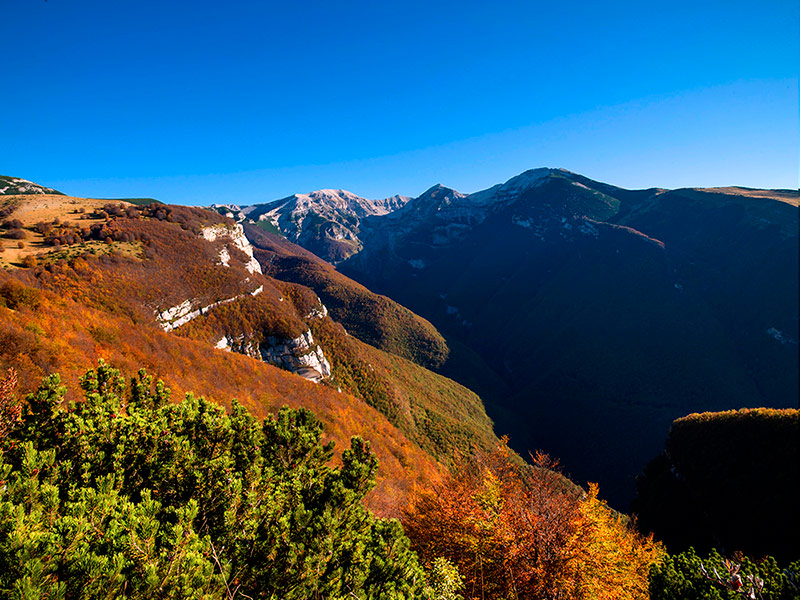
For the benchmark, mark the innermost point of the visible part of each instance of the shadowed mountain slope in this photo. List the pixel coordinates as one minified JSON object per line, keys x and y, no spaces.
{"x":607,"y":312}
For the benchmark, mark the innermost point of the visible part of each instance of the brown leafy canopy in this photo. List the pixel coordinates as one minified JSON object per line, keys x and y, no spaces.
{"x":69,"y":332}
{"x":520,"y":532}
{"x":15,"y":295}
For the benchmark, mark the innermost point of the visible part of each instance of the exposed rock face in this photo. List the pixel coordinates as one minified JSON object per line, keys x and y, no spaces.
{"x":236,"y":236}
{"x":318,"y":312}
{"x":174,"y":317}
{"x":299,"y":355}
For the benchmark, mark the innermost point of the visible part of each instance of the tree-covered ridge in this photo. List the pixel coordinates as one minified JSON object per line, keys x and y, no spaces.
{"x":66,"y":312}
{"x":374,"y":319}
{"x":128,"y":495}
{"x":727,"y":480}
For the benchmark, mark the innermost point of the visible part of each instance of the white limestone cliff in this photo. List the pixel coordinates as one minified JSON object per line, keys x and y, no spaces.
{"x":299,"y":355}
{"x":236,"y":236}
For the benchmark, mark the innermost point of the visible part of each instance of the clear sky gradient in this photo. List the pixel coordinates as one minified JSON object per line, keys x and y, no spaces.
{"x":200,"y":102}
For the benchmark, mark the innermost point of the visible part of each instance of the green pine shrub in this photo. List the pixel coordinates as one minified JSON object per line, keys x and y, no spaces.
{"x":128,"y":495}
{"x":681,"y":576}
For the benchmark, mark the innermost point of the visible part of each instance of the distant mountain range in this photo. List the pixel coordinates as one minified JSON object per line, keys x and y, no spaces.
{"x":587,"y":316}
{"x":327,"y":222}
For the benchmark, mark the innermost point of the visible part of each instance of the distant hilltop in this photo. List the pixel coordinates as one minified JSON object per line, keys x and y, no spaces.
{"x":13,"y":186}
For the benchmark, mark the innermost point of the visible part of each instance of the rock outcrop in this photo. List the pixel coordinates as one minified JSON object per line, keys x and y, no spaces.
{"x":235,"y":234}
{"x":299,"y":355}
{"x":174,"y":317}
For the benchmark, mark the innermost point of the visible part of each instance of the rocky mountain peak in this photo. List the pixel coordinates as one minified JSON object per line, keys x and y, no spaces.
{"x":434,"y":198}
{"x":440,"y":191}
{"x":528,"y":180}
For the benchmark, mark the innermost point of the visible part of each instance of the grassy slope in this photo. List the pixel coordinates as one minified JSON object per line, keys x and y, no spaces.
{"x":31,"y":209}
{"x":436,"y":412}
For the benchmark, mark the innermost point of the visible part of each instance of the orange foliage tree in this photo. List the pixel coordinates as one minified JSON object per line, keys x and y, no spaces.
{"x":526,"y":532}
{"x":10,"y":408}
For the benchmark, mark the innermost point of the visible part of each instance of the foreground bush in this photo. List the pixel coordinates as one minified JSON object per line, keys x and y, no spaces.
{"x":127,"y":495}
{"x":688,"y":577}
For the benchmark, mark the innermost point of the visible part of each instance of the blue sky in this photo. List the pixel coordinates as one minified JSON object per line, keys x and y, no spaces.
{"x":200,"y":102}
